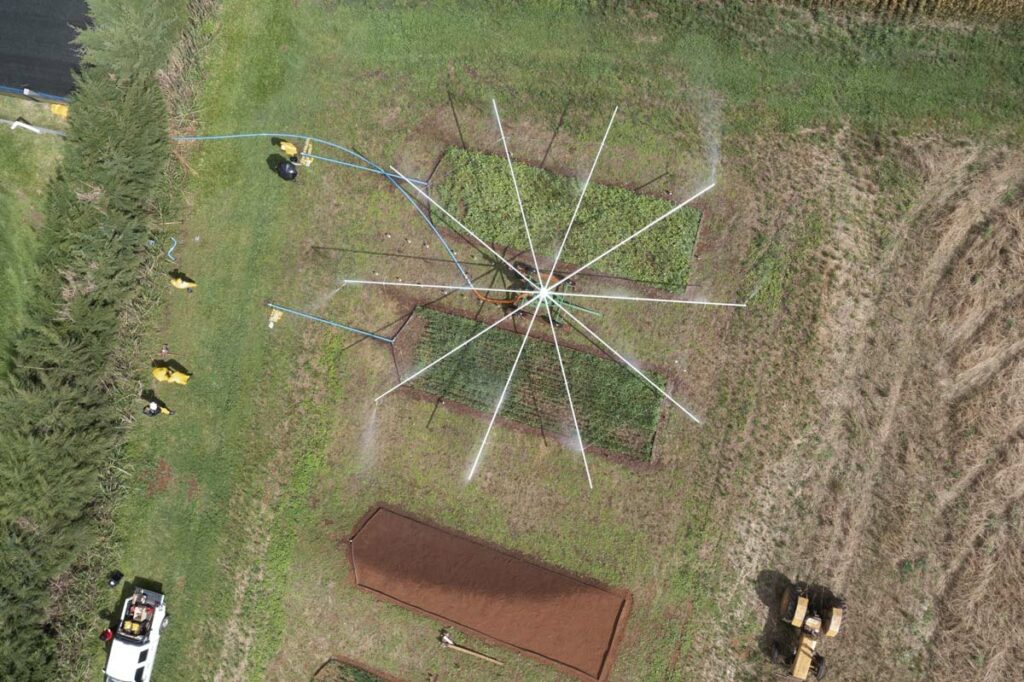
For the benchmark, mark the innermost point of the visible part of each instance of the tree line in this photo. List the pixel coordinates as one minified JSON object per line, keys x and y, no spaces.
{"x":61,"y":422}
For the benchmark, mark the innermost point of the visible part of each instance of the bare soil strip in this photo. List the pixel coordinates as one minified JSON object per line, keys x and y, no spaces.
{"x":545,"y":613}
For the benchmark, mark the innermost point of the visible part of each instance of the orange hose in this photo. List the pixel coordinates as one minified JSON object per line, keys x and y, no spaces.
{"x":501,"y":301}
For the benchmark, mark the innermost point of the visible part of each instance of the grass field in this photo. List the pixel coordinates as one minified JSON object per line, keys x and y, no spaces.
{"x":617,"y":410}
{"x":240,"y":500}
{"x":27,"y":162}
{"x":480,"y":187}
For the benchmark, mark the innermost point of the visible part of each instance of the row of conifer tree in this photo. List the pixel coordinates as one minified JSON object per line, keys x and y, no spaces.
{"x":61,"y":403}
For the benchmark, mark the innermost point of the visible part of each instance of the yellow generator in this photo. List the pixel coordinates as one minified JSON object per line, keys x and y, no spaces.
{"x":816,"y":614}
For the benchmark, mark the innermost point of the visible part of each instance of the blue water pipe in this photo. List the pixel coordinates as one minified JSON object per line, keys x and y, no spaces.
{"x":422,"y":183}
{"x":20,"y":92}
{"x":339,"y":325}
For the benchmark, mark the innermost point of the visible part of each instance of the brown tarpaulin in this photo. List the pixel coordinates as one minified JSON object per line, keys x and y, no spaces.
{"x":554,"y":617}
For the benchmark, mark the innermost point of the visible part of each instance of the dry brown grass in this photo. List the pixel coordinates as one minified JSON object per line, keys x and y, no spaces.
{"x":1000,"y":9}
{"x":179,"y":79}
{"x":913,"y":512}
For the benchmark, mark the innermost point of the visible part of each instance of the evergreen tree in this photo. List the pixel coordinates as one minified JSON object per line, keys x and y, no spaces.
{"x":59,"y":424}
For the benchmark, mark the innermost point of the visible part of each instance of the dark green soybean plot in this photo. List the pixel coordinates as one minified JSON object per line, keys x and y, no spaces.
{"x":477,"y":189}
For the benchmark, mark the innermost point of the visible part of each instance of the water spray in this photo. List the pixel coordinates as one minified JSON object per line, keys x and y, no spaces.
{"x":548,"y":291}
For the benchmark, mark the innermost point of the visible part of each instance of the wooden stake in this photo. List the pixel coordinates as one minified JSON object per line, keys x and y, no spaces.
{"x":448,"y":643}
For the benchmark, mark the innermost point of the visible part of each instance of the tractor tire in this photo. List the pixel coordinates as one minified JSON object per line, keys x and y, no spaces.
{"x":787,"y":605}
{"x":818,"y":667}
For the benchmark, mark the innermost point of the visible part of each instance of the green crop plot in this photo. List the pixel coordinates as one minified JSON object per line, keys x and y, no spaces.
{"x":617,"y":411}
{"x":478,"y":190}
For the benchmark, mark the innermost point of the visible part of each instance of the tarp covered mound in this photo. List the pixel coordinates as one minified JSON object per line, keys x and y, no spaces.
{"x":551,"y":616}
{"x":36,"y":51}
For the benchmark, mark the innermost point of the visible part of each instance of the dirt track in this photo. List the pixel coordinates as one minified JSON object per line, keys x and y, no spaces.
{"x":902,"y":487}
{"x":546,"y":614}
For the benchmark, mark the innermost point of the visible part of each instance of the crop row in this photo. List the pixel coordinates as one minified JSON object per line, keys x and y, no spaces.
{"x":945,"y":8}
{"x":617,"y":411}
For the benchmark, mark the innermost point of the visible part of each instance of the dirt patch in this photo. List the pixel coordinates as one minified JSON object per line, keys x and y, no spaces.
{"x":192,"y":488}
{"x":499,"y":596}
{"x":161,"y":479}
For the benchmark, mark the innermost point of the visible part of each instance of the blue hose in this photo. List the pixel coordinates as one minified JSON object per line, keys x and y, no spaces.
{"x":339,"y":325}
{"x":171,"y":250}
{"x":372,"y":167}
{"x":364,"y":168}
{"x":33,"y":94}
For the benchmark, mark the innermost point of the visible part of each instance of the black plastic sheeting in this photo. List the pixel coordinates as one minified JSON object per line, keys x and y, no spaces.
{"x":36,"y":51}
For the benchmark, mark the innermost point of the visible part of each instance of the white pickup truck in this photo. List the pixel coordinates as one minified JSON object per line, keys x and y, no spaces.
{"x":133,"y":648}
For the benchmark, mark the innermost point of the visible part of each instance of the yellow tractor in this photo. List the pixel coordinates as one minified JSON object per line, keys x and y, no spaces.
{"x":816,"y":614}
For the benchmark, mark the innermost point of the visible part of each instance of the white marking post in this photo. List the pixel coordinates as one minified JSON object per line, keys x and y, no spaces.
{"x":21,"y":124}
{"x":635,"y":234}
{"x":642,"y":299}
{"x":579,"y":201}
{"x":572,"y":408}
{"x":515,"y":184}
{"x":504,"y":391}
{"x":629,"y":364}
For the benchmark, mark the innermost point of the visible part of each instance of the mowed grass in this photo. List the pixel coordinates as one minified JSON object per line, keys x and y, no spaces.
{"x":480,"y":191}
{"x":617,"y":410}
{"x":242,"y":499}
{"x":27,"y":162}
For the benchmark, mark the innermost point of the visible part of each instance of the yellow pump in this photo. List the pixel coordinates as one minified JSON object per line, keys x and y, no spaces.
{"x":291,"y":152}
{"x":275,"y":317}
